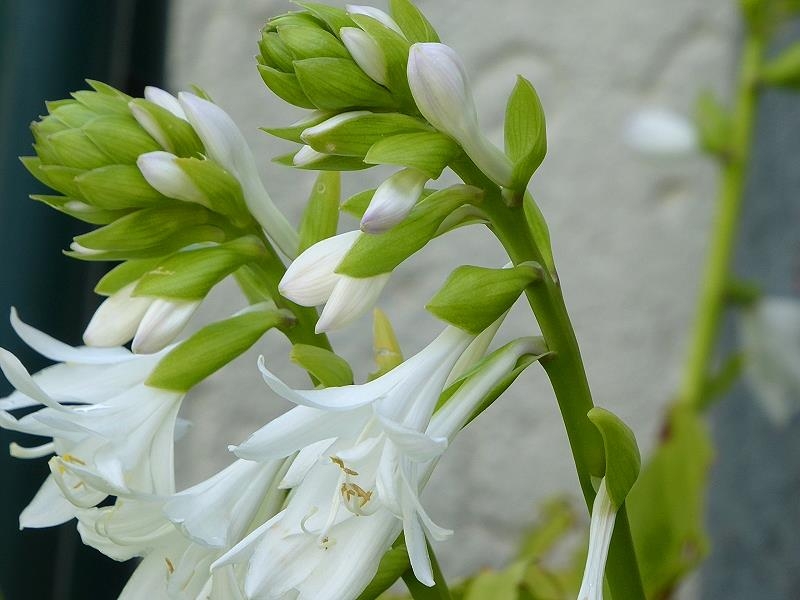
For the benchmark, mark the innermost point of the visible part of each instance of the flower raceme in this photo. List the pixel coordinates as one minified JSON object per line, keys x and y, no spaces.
{"x":364,"y":454}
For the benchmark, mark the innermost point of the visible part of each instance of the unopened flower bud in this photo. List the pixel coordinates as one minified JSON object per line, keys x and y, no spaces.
{"x":393,"y":200}
{"x":366,"y":52}
{"x":161,"y":170}
{"x":307,"y":156}
{"x":115,"y":321}
{"x":374,"y":13}
{"x":161,"y":323}
{"x":439,"y":84}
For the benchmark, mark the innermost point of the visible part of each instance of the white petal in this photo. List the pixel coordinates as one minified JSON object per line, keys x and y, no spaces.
{"x":329,"y":124}
{"x":601,"y":527}
{"x":661,"y":133}
{"x":305,"y":460}
{"x":28,"y":452}
{"x":162,"y":322}
{"x":365,"y":52}
{"x":294,"y":430}
{"x":59,"y":351}
{"x":19,"y":377}
{"x":393,"y":200}
{"x":116,"y":319}
{"x":310,"y":278}
{"x":48,"y":507}
{"x":161,"y":171}
{"x":226,"y":145}
{"x":164,"y":100}
{"x":351,"y":297}
{"x":413,"y":444}
{"x":417,"y":548}
{"x":374,"y":13}
{"x":307,"y":156}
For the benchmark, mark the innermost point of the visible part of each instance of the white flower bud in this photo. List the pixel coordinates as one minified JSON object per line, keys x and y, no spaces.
{"x":661,"y":133}
{"x":78,"y":249}
{"x":393,"y":200}
{"x":307,"y":156}
{"x":328,"y":125}
{"x":365,"y":52}
{"x":162,"y":322}
{"x":374,"y":13}
{"x":115,"y":321}
{"x":310,"y":278}
{"x":601,"y":526}
{"x":440,"y":87}
{"x":226,"y":145}
{"x":165,"y":100}
{"x":161,"y":170}
{"x":350,"y":298}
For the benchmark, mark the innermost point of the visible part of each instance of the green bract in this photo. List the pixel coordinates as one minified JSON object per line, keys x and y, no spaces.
{"x":623,"y":460}
{"x":473,"y":298}
{"x":321,"y":216}
{"x":328,"y":368}
{"x":713,"y":124}
{"x":784,"y":71}
{"x":525,"y":135}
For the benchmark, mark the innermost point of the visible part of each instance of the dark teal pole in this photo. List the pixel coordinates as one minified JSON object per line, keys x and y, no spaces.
{"x":47,"y":49}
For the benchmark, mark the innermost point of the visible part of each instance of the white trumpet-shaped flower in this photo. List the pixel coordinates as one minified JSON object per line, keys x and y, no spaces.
{"x":601,"y":526}
{"x":365,"y":52}
{"x":661,"y":133}
{"x":439,"y":84}
{"x":770,"y":333}
{"x":393,"y":200}
{"x":102,"y":419}
{"x":365,"y":452}
{"x":226,"y":145}
{"x":311,"y":280}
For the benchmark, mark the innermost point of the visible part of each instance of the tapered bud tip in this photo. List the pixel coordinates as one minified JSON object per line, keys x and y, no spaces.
{"x":374,"y":13}
{"x":393,"y":200}
{"x":115,"y":321}
{"x":661,"y":133}
{"x":365,"y":52}
{"x":307,"y":156}
{"x":165,"y":100}
{"x":162,"y":322}
{"x":161,"y":170}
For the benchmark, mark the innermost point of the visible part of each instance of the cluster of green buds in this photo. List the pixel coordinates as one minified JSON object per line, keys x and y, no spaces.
{"x":172,"y":186}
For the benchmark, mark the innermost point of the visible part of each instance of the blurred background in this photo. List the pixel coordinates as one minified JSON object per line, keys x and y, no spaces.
{"x":629,"y":236}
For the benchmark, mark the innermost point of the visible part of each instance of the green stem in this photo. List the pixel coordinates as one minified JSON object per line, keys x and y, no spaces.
{"x":712,"y":300}
{"x":567,"y":376}
{"x":439,"y":591}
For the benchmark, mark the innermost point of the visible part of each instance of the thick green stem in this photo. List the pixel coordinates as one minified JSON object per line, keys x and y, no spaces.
{"x":711,"y":304}
{"x":567,"y":376}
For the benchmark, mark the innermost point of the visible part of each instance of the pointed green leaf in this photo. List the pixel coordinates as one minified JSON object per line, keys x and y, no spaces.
{"x":413,"y":23}
{"x":472,"y":298}
{"x":525,"y":134}
{"x":429,"y":152}
{"x":339,"y":84}
{"x":285,"y":86}
{"x":381,"y":253}
{"x":146,"y":228}
{"x":195,"y":234}
{"x":117,"y":187}
{"x":102,"y":104}
{"x":311,"y":42}
{"x":334,"y":18}
{"x":292,"y":132}
{"x":623,"y":460}
{"x":321,"y":216}
{"x":274,"y":53}
{"x":540,"y":232}
{"x":71,"y":115}
{"x":104,"y":88}
{"x":120,"y":138}
{"x":123,"y":274}
{"x":80,"y":210}
{"x":784,"y":71}
{"x":190,"y":275}
{"x":330,"y":162}
{"x":328,"y":368}
{"x":357,"y":205}
{"x":355,"y":133}
{"x":212,"y":348}
{"x":74,"y":149}
{"x":221,"y":191}
{"x":61,"y":179}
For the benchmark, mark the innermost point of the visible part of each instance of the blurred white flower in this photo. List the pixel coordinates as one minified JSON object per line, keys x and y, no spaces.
{"x":661,"y":133}
{"x":770,"y":336}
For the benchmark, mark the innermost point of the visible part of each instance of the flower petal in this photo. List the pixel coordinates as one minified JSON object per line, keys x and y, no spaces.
{"x":351,"y":297}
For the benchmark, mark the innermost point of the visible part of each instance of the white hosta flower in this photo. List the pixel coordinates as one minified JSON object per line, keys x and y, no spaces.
{"x":601,"y":526}
{"x":393,"y":200}
{"x":365,"y":453}
{"x":226,"y":145}
{"x":661,"y":133}
{"x":116,"y":320}
{"x":365,"y":52}
{"x":122,"y":430}
{"x":770,"y":334}
{"x":440,"y":87}
{"x":311,"y":280}
{"x":374,"y":13}
{"x":161,"y":171}
{"x":161,"y":324}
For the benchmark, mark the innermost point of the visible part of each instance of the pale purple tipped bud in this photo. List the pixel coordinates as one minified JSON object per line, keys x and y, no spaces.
{"x":161,"y":171}
{"x":661,"y":133}
{"x":365,"y":52}
{"x":162,"y":322}
{"x":393,"y":200}
{"x":440,"y":87}
{"x":115,"y":321}
{"x":310,"y":278}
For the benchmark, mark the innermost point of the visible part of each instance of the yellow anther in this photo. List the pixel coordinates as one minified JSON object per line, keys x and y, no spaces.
{"x":340,"y":463}
{"x":170,"y":566}
{"x":72,"y":459}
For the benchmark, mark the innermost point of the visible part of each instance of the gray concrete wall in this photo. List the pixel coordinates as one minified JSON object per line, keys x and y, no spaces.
{"x":629,"y":235}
